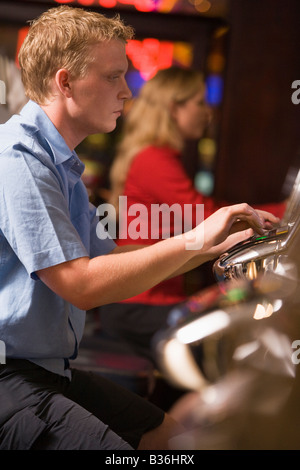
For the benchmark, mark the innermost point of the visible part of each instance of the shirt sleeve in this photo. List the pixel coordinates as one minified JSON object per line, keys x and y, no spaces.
{"x":101,"y":242}
{"x":34,"y":215}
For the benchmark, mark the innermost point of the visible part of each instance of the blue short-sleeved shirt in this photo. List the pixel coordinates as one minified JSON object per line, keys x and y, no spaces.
{"x":45,"y":219}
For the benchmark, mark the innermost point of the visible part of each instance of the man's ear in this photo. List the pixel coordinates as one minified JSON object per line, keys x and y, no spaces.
{"x":63,"y":82}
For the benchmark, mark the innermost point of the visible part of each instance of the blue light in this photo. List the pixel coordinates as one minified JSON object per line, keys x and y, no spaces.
{"x":214,"y":89}
{"x":134,"y":81}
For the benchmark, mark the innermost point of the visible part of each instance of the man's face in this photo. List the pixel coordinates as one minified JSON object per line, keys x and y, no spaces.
{"x":98,"y":98}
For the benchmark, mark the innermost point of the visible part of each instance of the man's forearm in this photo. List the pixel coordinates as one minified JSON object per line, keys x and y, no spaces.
{"x":88,"y":283}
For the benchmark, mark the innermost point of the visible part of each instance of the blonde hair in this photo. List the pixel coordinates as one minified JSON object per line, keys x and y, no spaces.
{"x":61,"y":38}
{"x":149,"y":120}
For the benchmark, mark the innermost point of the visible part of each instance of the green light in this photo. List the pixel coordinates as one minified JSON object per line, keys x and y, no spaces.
{"x":236,"y":294}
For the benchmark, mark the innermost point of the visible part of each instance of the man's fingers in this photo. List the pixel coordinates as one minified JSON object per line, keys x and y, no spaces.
{"x":268,"y":217}
{"x":246,"y":216}
{"x":232,"y":240}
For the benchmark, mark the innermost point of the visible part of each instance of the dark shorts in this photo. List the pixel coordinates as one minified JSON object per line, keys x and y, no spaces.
{"x":41,"y":410}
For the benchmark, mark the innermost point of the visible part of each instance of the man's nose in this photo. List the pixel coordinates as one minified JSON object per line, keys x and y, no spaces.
{"x":126,"y":92}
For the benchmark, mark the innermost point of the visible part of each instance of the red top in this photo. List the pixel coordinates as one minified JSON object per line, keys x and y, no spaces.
{"x":157,"y":177}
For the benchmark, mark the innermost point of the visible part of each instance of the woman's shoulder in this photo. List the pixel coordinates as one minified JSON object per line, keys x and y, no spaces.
{"x":156,"y":154}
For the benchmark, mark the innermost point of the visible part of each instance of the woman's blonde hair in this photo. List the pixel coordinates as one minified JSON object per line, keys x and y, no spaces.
{"x":61,"y":38}
{"x":150,"y":122}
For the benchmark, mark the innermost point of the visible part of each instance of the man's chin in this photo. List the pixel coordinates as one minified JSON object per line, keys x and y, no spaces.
{"x":110,"y":128}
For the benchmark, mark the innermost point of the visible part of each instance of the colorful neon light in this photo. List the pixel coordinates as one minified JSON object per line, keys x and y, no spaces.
{"x":214,"y":89}
{"x":141,"y":5}
{"x":150,"y":55}
{"x":164,"y":6}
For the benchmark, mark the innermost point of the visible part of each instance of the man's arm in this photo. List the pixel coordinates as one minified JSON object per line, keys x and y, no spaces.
{"x":87,"y":283}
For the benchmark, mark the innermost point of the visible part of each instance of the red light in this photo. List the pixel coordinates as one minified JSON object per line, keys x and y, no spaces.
{"x":144,"y":5}
{"x":22,"y":33}
{"x":108,"y":3}
{"x":86,"y":3}
{"x":141,"y":5}
{"x":150,"y":55}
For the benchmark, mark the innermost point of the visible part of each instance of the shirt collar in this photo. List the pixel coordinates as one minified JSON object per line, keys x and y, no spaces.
{"x":45,"y":126}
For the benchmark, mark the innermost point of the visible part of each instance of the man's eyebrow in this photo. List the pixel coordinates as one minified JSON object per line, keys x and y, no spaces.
{"x":117,"y":70}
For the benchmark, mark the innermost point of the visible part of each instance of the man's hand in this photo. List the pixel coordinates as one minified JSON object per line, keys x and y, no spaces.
{"x":228,"y":226}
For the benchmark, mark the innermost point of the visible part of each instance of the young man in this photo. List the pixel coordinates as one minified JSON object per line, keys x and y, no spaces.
{"x":53,"y":266}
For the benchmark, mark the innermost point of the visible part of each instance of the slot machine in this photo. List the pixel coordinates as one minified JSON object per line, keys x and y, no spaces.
{"x":235,"y":345}
{"x":262,"y":254}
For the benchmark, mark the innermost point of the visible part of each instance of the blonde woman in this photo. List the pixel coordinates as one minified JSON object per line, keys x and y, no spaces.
{"x":169,"y":111}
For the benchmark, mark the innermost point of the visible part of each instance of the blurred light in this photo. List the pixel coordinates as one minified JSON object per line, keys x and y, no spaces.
{"x":203,"y":7}
{"x":262,"y":311}
{"x":98,"y":140}
{"x":181,"y":366}
{"x":214,"y":89}
{"x":203,"y":327}
{"x":134,"y":81}
{"x":204,"y":182}
{"x":183,"y":54}
{"x":150,"y":55}
{"x":207,"y":146}
{"x":166,"y":5}
{"x":216,"y":62}
{"x":245,"y":350}
{"x":108,"y":3}
{"x":140,"y":5}
{"x":207,"y":150}
{"x":85,"y":3}
{"x":252,"y":270}
{"x":277,"y":304}
{"x":210,"y":395}
{"x":236,"y":294}
{"x":219,"y":32}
